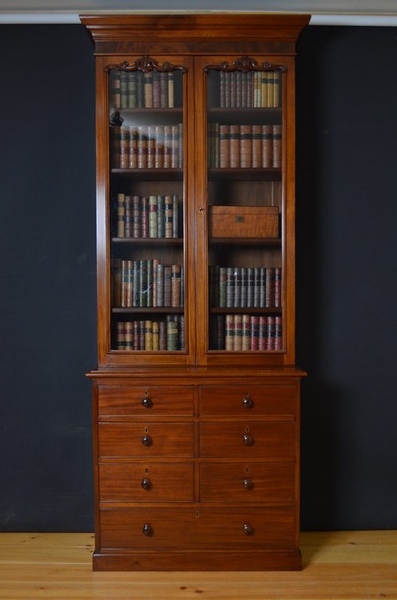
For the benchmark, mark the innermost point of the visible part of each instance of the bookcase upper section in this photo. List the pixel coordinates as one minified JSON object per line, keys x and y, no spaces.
{"x":195,"y":189}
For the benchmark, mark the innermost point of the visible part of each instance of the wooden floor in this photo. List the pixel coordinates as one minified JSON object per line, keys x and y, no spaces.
{"x":336,"y":565}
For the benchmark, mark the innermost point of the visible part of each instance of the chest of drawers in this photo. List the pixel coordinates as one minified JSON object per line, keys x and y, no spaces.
{"x":197,"y":475}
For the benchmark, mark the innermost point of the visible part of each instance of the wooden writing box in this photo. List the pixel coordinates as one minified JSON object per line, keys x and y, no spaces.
{"x":243,"y":221}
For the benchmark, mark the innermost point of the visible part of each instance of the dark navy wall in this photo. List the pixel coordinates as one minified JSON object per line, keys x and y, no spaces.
{"x":47,"y":288}
{"x":346,"y":284}
{"x":347,"y":275}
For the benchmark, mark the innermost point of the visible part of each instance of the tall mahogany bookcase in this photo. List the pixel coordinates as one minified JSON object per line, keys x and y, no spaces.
{"x":196,"y":394}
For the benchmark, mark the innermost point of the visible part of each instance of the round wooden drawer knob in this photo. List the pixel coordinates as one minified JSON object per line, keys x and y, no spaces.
{"x":248,"y":484}
{"x":146,"y":484}
{"x":248,"y":439}
{"x":147,"y":440}
{"x":147,"y":530}
{"x":147,"y":402}
{"x":248,"y":529}
{"x":248,"y":403}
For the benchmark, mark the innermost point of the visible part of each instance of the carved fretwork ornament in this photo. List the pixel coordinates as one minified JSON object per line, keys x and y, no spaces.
{"x":244,"y":64}
{"x":146,"y":64}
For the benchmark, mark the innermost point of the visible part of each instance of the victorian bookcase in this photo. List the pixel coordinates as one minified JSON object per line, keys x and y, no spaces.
{"x":196,"y":394}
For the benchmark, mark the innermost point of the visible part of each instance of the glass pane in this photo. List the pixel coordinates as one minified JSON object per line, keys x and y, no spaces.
{"x":147,"y":209}
{"x":245,"y":204}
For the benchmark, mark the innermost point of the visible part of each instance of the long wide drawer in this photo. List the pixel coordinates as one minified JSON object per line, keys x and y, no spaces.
{"x":267,"y":440}
{"x":145,"y":440}
{"x":189,"y":529}
{"x":242,"y":482}
{"x":247,"y":399}
{"x":146,"y":482}
{"x":119,"y":400}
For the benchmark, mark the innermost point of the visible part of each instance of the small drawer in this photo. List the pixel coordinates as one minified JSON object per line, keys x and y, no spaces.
{"x":202,"y":529}
{"x":117,"y":400}
{"x":145,"y":440}
{"x":241,"y":482}
{"x":146,"y":482}
{"x":247,"y":399}
{"x":270,"y":440}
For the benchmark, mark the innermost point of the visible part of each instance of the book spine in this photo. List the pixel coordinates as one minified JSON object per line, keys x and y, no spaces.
{"x":234,"y":157}
{"x":167,"y":146}
{"x":160,"y":285}
{"x":151,"y":147}
{"x":172,"y":334}
{"x":246,"y":332}
{"x":254,"y":328}
{"x":156,"y":90}
{"x":171,"y":99}
{"x":148,"y":335}
{"x":133,"y":148}
{"x":131,"y":90}
{"x":160,"y":216}
{"x":262,"y":332}
{"x":238,"y":332}
{"x":224,"y":146}
{"x":175,"y":286}
{"x":136,"y":217}
{"x":124,"y":148}
{"x":145,"y":216}
{"x":256,"y":146}
{"x":278,"y":337}
{"x":163,"y":84}
{"x":120,"y":215}
{"x":159,"y":147}
{"x":277,"y":146}
{"x":168,"y":217}
{"x":245,"y":146}
{"x":229,"y":332}
{"x":174,"y":146}
{"x":175,"y":216}
{"x":148,"y":89}
{"x":267,"y":146}
{"x":120,"y":336}
{"x":142,"y":147}
{"x":155,"y":335}
{"x":128,"y":217}
{"x":115,"y":99}
{"x":153,"y":217}
{"x":167,"y":285}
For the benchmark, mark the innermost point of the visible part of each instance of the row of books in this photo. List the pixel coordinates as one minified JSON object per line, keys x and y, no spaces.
{"x":147,"y":146}
{"x":249,"y":332}
{"x":147,"y":284}
{"x":154,"y":216}
{"x":254,"y":89}
{"x":244,"y":146}
{"x":245,"y":287}
{"x":137,"y":89}
{"x":149,"y":335}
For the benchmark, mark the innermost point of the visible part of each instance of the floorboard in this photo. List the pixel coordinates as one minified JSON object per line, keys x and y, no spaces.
{"x":337,"y":565}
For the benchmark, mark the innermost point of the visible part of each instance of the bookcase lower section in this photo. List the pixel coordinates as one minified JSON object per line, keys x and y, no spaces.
{"x":197,"y":471}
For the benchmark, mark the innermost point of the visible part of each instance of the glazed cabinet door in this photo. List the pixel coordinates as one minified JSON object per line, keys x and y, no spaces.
{"x":245,"y":198}
{"x":143,"y":206}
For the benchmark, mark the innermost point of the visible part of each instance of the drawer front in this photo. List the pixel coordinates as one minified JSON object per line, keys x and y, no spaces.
{"x":242,"y":482}
{"x":258,"y":400}
{"x":145,"y":401}
{"x":145,"y":440}
{"x":204,"y":529}
{"x":146,"y":482}
{"x":268,"y":440}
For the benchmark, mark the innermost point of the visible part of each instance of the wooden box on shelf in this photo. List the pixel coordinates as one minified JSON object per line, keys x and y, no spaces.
{"x":243,"y":221}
